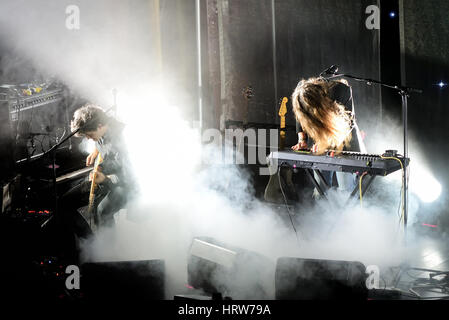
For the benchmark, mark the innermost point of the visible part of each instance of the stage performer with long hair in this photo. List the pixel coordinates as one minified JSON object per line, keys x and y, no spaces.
{"x":325,"y":116}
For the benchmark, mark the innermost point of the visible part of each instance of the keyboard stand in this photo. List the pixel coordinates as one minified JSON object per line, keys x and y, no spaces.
{"x":357,"y":187}
{"x":365,"y":185}
{"x":315,"y":183}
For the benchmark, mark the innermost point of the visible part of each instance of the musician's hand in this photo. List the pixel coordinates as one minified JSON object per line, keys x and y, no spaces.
{"x":302,"y":142}
{"x":301,"y":145}
{"x":91,"y":158}
{"x":99,"y":179}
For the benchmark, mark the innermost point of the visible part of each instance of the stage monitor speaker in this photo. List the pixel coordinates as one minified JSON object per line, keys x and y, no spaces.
{"x":310,"y":279}
{"x":233,"y":272}
{"x":123,"y":280}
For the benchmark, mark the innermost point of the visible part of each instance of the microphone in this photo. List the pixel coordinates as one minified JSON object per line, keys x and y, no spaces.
{"x":332,"y":70}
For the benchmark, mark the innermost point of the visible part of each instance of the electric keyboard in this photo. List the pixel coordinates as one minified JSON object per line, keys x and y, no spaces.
{"x":354,"y":162}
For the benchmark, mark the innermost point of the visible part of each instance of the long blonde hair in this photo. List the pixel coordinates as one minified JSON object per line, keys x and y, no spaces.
{"x":323,"y":119}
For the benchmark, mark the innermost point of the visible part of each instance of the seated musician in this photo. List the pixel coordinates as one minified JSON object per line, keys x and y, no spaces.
{"x":112,"y":177}
{"x":324,"y":112}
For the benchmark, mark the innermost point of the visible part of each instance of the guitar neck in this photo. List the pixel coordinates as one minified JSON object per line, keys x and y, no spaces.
{"x":98,"y":161}
{"x":282,"y":113}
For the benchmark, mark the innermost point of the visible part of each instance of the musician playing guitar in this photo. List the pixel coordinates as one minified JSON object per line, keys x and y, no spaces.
{"x":110,"y":181}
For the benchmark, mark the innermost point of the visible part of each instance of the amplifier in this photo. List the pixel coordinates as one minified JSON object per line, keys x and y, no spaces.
{"x":123,"y":281}
{"x":32,"y":121}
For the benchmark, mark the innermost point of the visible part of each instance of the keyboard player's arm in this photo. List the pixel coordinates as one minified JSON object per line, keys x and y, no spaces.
{"x":302,"y":139}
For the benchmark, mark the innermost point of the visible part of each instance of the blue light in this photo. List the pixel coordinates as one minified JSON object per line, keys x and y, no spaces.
{"x":442,"y":84}
{"x":392,"y":14}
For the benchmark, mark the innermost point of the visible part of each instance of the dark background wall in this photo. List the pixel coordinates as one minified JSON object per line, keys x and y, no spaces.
{"x":425,"y":48}
{"x":312,"y":35}
{"x":308,"y":36}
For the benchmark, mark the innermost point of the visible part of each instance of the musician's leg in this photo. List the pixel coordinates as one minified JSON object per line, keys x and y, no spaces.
{"x":327,"y":175}
{"x":111,"y":203}
{"x":72,"y":223}
{"x":346,"y":181}
{"x":69,"y":204}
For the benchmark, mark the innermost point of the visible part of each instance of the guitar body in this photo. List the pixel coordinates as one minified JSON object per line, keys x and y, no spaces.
{"x":280,"y":185}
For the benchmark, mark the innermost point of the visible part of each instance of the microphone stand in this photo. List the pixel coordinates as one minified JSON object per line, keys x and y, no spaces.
{"x":404,"y":92}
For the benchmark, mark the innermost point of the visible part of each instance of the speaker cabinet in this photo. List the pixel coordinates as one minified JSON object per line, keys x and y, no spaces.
{"x":310,"y":279}
{"x":218,"y":268}
{"x":123,"y":280}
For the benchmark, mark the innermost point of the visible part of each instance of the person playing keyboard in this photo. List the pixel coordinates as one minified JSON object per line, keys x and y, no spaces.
{"x":325,"y":116}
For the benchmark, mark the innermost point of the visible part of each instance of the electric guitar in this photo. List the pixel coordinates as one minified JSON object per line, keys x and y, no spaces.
{"x":280,"y":186}
{"x":91,"y":213}
{"x":282,"y":113}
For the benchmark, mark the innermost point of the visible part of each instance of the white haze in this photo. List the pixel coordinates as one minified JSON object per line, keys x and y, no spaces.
{"x":179,"y":201}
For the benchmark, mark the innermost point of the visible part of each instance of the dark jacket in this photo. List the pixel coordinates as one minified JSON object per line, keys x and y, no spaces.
{"x":116,"y":165}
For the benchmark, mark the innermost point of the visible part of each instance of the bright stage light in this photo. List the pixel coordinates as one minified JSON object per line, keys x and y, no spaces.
{"x":163,"y":148}
{"x":424,"y":184}
{"x":422,"y":181}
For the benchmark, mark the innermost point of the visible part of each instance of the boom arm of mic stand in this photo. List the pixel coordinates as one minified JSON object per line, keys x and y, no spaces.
{"x":371,"y":81}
